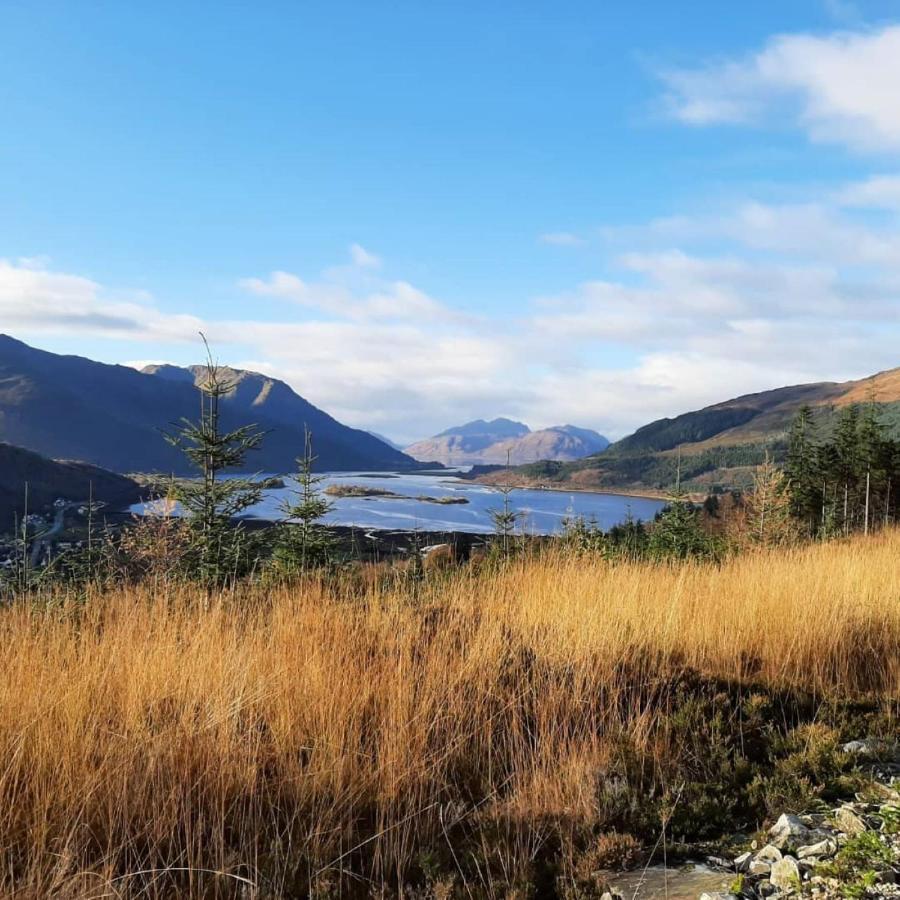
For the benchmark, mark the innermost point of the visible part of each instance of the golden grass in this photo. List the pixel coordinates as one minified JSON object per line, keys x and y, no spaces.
{"x":281,"y":736}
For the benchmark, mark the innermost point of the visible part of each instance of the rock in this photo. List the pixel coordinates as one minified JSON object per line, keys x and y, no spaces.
{"x":884,"y":793}
{"x":870,"y":749}
{"x":718,"y":895}
{"x":769,"y":854}
{"x":742,"y":862}
{"x":758,"y":867}
{"x":785,"y":874}
{"x":848,"y":821}
{"x":610,"y":895}
{"x":787,"y":832}
{"x":820,"y":850}
{"x":858,"y":748}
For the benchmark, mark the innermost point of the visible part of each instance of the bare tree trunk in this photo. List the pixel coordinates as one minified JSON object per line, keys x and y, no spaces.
{"x":868,"y":480}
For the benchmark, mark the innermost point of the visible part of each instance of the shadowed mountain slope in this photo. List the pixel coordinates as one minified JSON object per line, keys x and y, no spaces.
{"x":49,"y":479}
{"x":113,"y":416}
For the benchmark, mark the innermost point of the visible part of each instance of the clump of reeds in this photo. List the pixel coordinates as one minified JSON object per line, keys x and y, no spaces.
{"x":160,"y":742}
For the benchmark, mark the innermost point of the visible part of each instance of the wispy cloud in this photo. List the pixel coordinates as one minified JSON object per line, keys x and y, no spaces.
{"x":562,"y":239}
{"x":756,"y":295}
{"x":839,"y":88}
{"x":363,"y":258}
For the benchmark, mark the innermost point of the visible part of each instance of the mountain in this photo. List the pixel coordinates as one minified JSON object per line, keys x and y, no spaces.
{"x":495,"y":430}
{"x":486,"y":443}
{"x":113,"y":416}
{"x":720,"y":445}
{"x":50,"y":479}
{"x":386,"y":440}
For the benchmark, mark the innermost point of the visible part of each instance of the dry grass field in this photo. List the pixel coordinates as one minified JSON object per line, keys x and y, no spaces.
{"x":484,"y":729}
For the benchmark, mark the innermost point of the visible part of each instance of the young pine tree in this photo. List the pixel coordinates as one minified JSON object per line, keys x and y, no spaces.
{"x":768,"y":508}
{"x":505,"y":518}
{"x":218,"y":547}
{"x":678,"y":534}
{"x":303,"y":543}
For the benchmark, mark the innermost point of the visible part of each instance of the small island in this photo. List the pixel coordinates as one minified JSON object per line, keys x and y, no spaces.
{"x":360,"y":490}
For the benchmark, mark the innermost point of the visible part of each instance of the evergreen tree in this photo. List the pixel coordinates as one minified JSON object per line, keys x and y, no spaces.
{"x":847,"y":459}
{"x":678,"y":534}
{"x":219,"y":548}
{"x":627,"y":539}
{"x":873,"y":460}
{"x":848,"y":482}
{"x":505,"y":518}
{"x":303,"y":542}
{"x":804,"y":486}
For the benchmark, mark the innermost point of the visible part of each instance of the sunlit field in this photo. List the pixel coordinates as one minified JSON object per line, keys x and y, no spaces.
{"x":483,"y":729}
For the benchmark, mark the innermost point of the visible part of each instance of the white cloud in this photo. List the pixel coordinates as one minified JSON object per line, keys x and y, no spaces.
{"x":38,"y":301}
{"x":701,"y":308}
{"x":562,"y":239}
{"x":840,"y":88}
{"x":363,"y":258}
{"x":876,"y":192}
{"x":341,"y":298}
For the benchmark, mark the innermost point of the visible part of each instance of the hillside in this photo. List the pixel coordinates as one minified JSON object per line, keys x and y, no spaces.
{"x":49,"y":479}
{"x":717,"y":446}
{"x":113,"y":416}
{"x":486,"y":443}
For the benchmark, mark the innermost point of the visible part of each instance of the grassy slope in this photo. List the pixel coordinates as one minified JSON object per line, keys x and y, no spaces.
{"x":719,"y":445}
{"x":512,"y":716}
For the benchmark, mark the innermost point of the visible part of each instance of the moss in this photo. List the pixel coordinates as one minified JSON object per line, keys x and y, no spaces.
{"x":858,"y":864}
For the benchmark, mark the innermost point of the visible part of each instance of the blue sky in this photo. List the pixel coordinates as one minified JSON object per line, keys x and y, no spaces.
{"x":419,"y":213}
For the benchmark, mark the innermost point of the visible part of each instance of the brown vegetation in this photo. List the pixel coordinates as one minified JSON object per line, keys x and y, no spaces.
{"x":490,"y":729}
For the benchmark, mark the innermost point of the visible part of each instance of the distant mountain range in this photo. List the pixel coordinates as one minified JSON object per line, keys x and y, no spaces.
{"x":719,"y":445}
{"x":67,"y":407}
{"x":485,"y":443}
{"x":48,"y":480}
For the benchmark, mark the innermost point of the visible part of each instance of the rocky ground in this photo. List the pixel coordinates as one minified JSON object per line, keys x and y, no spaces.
{"x":849,"y":850}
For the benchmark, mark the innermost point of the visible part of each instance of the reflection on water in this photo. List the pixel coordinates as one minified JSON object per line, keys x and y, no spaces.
{"x":543,"y":511}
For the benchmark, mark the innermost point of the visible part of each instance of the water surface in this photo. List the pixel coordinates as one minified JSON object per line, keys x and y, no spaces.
{"x":542,"y":511}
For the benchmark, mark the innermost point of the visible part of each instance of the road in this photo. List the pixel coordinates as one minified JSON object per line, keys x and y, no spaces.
{"x":40,"y":541}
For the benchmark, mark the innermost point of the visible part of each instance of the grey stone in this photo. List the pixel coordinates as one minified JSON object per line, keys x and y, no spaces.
{"x":742,"y":862}
{"x":718,"y":895}
{"x":757,"y":867}
{"x":768,"y":854}
{"x":820,"y":850}
{"x":848,"y":821}
{"x":785,"y":874}
{"x":788,"y":831}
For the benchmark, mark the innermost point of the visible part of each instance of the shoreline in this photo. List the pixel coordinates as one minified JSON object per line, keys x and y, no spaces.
{"x":565,"y":488}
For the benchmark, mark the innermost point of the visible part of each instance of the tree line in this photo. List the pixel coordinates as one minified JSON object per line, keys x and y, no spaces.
{"x":847,"y":481}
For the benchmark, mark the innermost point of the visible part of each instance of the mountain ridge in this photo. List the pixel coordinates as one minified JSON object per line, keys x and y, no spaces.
{"x":717,"y":446}
{"x":114,"y":416}
{"x":482,"y":442}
